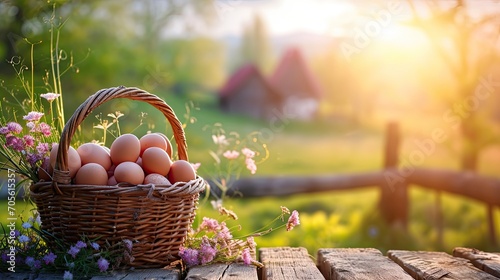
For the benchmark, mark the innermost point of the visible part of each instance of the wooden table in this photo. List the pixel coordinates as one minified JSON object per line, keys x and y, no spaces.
{"x":285,"y":263}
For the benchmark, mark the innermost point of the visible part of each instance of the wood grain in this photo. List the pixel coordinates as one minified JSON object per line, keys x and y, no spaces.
{"x":488,"y":262}
{"x":235,"y":271}
{"x":437,"y":265}
{"x":287,"y":263}
{"x":359,"y":264}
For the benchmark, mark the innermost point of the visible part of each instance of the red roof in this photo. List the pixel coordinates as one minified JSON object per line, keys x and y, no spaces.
{"x":239,"y":78}
{"x":292,"y":74}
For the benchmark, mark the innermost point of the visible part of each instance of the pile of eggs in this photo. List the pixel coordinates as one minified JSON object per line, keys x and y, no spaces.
{"x":147,"y":160}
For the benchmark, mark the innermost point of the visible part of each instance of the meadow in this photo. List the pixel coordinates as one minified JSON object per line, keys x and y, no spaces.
{"x":337,"y":218}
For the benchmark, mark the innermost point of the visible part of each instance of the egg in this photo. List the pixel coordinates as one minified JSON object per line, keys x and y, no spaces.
{"x":156,"y":160}
{"x":169,"y":145}
{"x":45,"y":171}
{"x":74,"y":161}
{"x":129,"y":172}
{"x":91,"y":152}
{"x":91,"y":174}
{"x":181,"y":171}
{"x":112,"y":181}
{"x":125,"y":148}
{"x":152,"y":140}
{"x":156,"y":179}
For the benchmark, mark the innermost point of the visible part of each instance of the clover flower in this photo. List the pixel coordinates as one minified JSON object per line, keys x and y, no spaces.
{"x":103,"y":264}
{"x":189,"y":256}
{"x":95,"y":245}
{"x":293,"y":220}
{"x":33,"y":116}
{"x":50,"y":96}
{"x":209,"y":224}
{"x":80,"y":244}
{"x":50,"y":258}
{"x":206,"y":253}
{"x":29,"y":140}
{"x":14,"y":127}
{"x":73,"y":251}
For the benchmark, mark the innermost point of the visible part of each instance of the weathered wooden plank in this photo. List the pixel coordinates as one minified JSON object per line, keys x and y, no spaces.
{"x":159,"y":274}
{"x":488,"y":262}
{"x":359,"y":264}
{"x":285,"y":263}
{"x":143,"y":274}
{"x":437,"y":265}
{"x":235,"y":271}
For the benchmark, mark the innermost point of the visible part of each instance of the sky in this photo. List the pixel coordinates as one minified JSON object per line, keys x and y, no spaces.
{"x":322,"y":17}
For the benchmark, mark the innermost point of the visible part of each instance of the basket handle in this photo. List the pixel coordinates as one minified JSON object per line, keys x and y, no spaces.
{"x":61,"y":170}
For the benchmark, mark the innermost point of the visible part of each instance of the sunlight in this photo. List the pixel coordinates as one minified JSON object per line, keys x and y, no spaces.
{"x":402,"y":36}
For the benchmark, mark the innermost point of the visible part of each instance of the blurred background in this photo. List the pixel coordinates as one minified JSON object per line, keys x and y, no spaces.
{"x":314,"y":82}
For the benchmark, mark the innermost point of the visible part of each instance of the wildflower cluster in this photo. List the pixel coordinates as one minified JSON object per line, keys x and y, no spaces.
{"x":28,"y":148}
{"x":233,"y":155}
{"x":85,"y":257}
{"x":212,"y":241}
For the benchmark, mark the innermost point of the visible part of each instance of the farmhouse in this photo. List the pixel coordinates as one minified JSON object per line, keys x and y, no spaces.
{"x":292,"y":88}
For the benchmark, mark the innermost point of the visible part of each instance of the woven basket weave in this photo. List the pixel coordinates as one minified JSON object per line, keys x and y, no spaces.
{"x":156,"y":218}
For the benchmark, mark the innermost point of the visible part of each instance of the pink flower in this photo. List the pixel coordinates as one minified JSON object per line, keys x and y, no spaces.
{"x":29,"y":140}
{"x":44,"y":129}
{"x":189,"y":256}
{"x":251,"y":165}
{"x":14,"y":127}
{"x":209,"y":224}
{"x":224,"y":232}
{"x":248,"y":153}
{"x":293,"y":220}
{"x":246,"y":256}
{"x":103,"y":264}
{"x":31,"y":126}
{"x":231,"y":154}
{"x":220,"y":139}
{"x":33,"y":116}
{"x":50,"y":96}
{"x":42,"y":148}
{"x":16,"y":143}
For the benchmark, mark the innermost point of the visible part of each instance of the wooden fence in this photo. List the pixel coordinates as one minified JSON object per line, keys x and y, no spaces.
{"x":392,"y":181}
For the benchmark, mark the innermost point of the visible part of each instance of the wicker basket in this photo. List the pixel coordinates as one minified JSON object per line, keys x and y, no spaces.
{"x":156,"y":218}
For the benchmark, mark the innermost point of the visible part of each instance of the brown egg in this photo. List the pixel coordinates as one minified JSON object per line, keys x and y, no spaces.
{"x":74,"y":161}
{"x":91,"y":152}
{"x":169,"y":145}
{"x":92,"y":174}
{"x":156,"y":179}
{"x":125,"y":148}
{"x":181,"y":171}
{"x":156,"y":160}
{"x":129,"y":172}
{"x":112,"y":181}
{"x":152,"y":140}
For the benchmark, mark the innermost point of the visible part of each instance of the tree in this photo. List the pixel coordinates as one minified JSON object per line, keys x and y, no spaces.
{"x":468,"y":46}
{"x":255,"y":47}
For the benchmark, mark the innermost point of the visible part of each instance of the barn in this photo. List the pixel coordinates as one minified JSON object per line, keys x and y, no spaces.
{"x":292,"y":87}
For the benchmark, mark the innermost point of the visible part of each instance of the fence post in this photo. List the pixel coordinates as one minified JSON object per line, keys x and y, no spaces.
{"x":393,"y":201}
